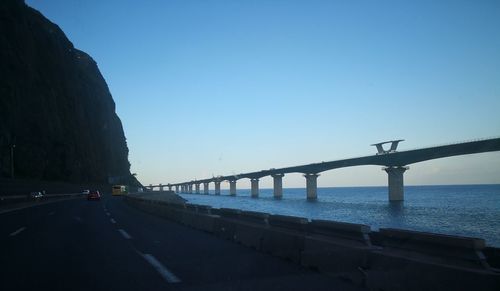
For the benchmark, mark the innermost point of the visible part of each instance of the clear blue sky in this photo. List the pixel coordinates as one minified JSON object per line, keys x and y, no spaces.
{"x":220,"y":87}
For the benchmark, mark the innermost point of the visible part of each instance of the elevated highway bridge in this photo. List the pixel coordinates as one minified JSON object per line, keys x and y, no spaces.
{"x":394,"y":163}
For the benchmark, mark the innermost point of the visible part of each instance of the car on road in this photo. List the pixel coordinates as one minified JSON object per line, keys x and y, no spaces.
{"x":36,"y":195}
{"x":86,"y":192}
{"x":94,"y":195}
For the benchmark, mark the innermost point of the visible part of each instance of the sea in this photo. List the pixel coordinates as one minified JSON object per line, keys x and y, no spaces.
{"x":464,"y":210}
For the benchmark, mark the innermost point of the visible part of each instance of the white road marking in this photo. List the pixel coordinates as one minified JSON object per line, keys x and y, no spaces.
{"x":112,"y":220}
{"x":162,"y":270}
{"x":17,"y":231}
{"x":125,"y":234}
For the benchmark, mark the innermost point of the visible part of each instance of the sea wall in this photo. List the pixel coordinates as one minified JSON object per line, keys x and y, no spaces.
{"x":389,"y":259}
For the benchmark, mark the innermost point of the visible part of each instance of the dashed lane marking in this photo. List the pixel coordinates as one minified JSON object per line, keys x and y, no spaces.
{"x":125,"y":234}
{"x":17,"y":231}
{"x":161,"y":269}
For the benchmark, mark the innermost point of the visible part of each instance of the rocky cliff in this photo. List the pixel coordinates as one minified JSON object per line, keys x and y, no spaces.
{"x":55,"y":105}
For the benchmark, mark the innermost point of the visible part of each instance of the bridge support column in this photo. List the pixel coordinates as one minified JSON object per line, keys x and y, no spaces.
{"x":254,"y":183}
{"x":177,"y":189}
{"x":197,"y":187}
{"x":396,"y":182}
{"x":190,"y":188}
{"x":232,"y":187}
{"x":161,"y":187}
{"x":205,"y":188}
{"x":151,"y":187}
{"x":217,"y":187}
{"x":278,"y":185}
{"x":169,"y":187}
{"x":311,"y":186}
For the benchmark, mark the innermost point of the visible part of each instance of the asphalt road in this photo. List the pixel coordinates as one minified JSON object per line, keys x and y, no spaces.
{"x":88,"y":245}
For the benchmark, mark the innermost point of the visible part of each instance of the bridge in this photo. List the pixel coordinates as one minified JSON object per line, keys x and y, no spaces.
{"x":394,"y":163}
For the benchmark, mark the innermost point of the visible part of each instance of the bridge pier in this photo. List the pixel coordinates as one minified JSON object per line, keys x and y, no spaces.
{"x":197,"y":187}
{"x":232,"y":187}
{"x":311,"y":186}
{"x":177,"y":189}
{"x":151,"y":187}
{"x":396,"y":182}
{"x":255,"y":187}
{"x":161,"y":188}
{"x":217,"y":187}
{"x":205,"y":188}
{"x":278,"y":185}
{"x":190,"y":188}
{"x":169,"y":187}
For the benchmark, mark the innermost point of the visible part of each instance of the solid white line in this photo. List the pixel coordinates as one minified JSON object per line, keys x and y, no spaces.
{"x":112,"y":220}
{"x":164,"y":272}
{"x":125,"y":234}
{"x":17,"y":231}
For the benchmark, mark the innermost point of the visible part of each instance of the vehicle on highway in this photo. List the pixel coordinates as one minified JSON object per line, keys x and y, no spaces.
{"x":86,"y":192}
{"x":36,"y":195}
{"x":119,"y":190}
{"x":94,"y":195}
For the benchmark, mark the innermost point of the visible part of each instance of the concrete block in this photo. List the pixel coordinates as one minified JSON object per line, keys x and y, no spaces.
{"x":337,"y":248}
{"x":350,"y":232}
{"x":250,"y":234}
{"x":204,"y":209}
{"x":205,"y":222}
{"x":288,"y":222}
{"x":229,"y":213}
{"x":254,"y":217}
{"x":439,"y":248}
{"x":285,"y":236}
{"x":394,"y":271}
{"x":225,"y":228}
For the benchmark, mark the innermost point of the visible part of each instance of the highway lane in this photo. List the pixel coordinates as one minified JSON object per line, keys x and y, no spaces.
{"x":69,"y":245}
{"x":88,"y":245}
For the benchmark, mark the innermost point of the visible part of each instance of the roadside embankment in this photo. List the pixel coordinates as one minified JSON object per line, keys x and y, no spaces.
{"x":388,"y":259}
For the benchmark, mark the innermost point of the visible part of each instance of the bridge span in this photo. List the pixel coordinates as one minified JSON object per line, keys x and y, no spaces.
{"x":394,"y":163}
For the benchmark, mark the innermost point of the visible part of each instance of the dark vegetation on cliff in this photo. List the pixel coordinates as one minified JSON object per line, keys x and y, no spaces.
{"x":55,"y":105}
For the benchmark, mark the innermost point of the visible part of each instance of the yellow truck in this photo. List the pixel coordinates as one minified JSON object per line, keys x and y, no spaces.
{"x":119,"y":190}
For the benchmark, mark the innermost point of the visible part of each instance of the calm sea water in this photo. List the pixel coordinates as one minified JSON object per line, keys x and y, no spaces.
{"x":466,"y":210}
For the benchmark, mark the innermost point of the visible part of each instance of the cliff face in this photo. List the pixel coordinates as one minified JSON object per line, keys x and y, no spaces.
{"x":54,"y":104}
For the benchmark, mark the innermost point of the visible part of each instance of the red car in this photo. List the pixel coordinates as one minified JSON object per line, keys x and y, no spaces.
{"x":94,"y":195}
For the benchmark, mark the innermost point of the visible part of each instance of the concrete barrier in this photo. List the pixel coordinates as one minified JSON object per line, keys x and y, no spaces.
{"x":285,"y":236}
{"x":337,"y":248}
{"x":388,"y":260}
{"x":446,"y":249}
{"x":225,"y":225}
{"x":250,"y":229}
{"x":410,"y":260}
